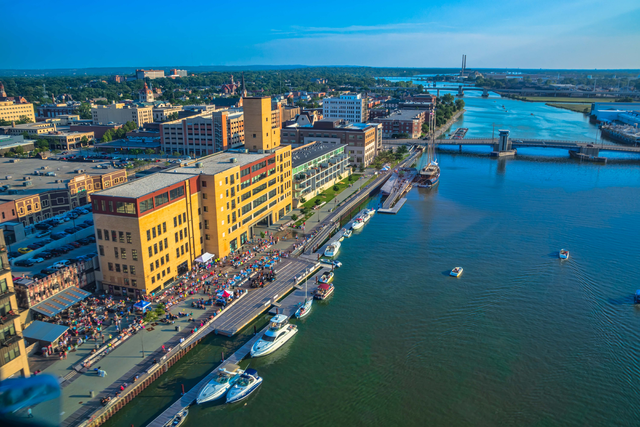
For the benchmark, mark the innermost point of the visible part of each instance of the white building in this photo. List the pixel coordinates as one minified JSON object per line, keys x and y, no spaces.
{"x":350,"y":107}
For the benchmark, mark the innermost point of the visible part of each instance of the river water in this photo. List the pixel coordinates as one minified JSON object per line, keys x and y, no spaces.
{"x":521,"y":338}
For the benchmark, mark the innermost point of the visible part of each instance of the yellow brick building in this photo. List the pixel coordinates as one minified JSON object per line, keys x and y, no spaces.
{"x":13,"y":357}
{"x":149,"y":231}
{"x":14,"y":112}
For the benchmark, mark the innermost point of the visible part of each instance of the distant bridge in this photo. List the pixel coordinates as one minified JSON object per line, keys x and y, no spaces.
{"x":579,"y":146}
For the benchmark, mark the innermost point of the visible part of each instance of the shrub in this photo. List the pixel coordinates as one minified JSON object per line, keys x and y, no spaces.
{"x":317,"y":202}
{"x":294,"y":217}
{"x":336,"y":188}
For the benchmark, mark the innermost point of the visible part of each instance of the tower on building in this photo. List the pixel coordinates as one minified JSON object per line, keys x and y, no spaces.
{"x":146,"y":94}
{"x":261,"y":124}
{"x":244,"y":88}
{"x":3,"y":94}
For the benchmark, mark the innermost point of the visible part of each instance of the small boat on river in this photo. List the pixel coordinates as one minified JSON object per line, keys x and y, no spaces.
{"x":326,"y":277}
{"x":323,"y":291}
{"x":347,"y":233}
{"x":358,"y":223}
{"x":178,"y":420}
{"x":456,"y":272}
{"x":332,"y":249}
{"x":247,"y":384}
{"x":563,"y":254}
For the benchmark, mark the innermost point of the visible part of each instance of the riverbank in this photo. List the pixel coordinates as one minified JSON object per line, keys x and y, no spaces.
{"x":578,"y":108}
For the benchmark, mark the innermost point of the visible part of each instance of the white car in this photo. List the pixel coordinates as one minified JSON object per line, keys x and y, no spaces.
{"x":43,"y":233}
{"x":36,"y":260}
{"x":61,"y":264}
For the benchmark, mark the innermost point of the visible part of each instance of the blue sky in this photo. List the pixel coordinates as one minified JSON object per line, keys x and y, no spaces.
{"x":499,"y":33}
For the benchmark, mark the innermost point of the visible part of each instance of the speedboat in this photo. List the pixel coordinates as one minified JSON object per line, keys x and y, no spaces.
{"x":366,"y":216}
{"x":332,"y":249}
{"x":304,"y":308}
{"x":564,"y":254}
{"x":218,"y":387}
{"x":347,"y":233}
{"x":371,"y":212}
{"x":247,"y":384}
{"x":358,"y":223}
{"x":178,"y":420}
{"x":279,"y":332}
{"x":456,"y":272}
{"x":326,"y":277}
{"x":333,"y":262}
{"x":323,"y":291}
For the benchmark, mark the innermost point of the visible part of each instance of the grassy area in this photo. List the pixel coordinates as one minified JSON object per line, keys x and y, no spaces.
{"x":326,"y":196}
{"x":578,"y":108}
{"x":565,"y":99}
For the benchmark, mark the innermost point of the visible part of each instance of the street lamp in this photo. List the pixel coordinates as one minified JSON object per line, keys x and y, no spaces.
{"x":142,"y":341}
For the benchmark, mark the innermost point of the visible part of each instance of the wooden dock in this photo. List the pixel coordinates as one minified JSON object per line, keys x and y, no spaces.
{"x":257,"y":302}
{"x":289,"y":305}
{"x":394,"y":210}
{"x":188,"y":398}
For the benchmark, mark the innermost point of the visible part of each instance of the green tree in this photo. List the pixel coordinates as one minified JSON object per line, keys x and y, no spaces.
{"x":84,"y":141}
{"x":459,"y":104}
{"x":294,"y":217}
{"x":303,"y":200}
{"x":149,"y":151}
{"x":402,"y":149}
{"x":108,"y":136}
{"x":425,"y":128}
{"x":317,"y":202}
{"x":336,"y":188}
{"x":84,"y":110}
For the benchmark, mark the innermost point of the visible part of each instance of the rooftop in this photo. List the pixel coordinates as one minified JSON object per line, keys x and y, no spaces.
{"x":25,"y":167}
{"x":402,"y":115}
{"x":211,"y":165}
{"x":311,"y":151}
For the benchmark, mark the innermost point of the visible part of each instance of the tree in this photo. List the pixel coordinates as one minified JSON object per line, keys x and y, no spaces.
{"x":317,"y":202}
{"x":294,"y":217}
{"x":108,"y":136}
{"x":19,"y":150}
{"x":459,"y":104}
{"x":303,"y":200}
{"x":84,"y":111}
{"x":425,"y":128}
{"x":42,"y":144}
{"x":149,"y":151}
{"x":84,"y":141}
{"x":402,"y":149}
{"x":361,"y":168}
{"x":336,"y":188}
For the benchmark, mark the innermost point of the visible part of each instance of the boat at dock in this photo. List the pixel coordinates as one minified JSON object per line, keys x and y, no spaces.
{"x":586,"y":157}
{"x":347,"y":233}
{"x":563,"y":254}
{"x":456,"y":272}
{"x":247,"y":384}
{"x":280,"y":331}
{"x":220,"y":385}
{"x":429,"y":175}
{"x":323,"y":291}
{"x":304,"y":308}
{"x":326,"y":277}
{"x":178,"y":420}
{"x":460,"y":133}
{"x":332,"y":249}
{"x":371,"y":212}
{"x":358,"y":223}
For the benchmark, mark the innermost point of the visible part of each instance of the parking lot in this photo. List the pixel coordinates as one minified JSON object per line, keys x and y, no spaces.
{"x":51,"y":246}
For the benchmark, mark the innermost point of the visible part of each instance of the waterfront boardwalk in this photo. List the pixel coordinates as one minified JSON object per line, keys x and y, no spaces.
{"x":394,"y":210}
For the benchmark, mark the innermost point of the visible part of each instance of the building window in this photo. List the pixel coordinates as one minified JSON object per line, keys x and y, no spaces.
{"x":134,"y":254}
{"x":175,"y":221}
{"x":125,"y":268}
{"x":134,"y":283}
{"x":116,"y":252}
{"x":206,"y":236}
{"x":113,"y":235}
{"x":148,"y":235}
{"x":177,"y":252}
{"x":121,"y":236}
{"x":101,"y":250}
{"x":153,"y":279}
{"x":160,"y":244}
{"x":166,"y":244}
{"x":164,"y":227}
{"x":151,"y":267}
{"x":123,"y":253}
{"x":128,"y":237}
{"x":98,"y":231}
{"x":110,"y":266}
{"x":150,"y":251}
{"x":106,"y":235}
{"x":153,"y":232}
{"x":132,"y":268}
{"x":155,"y":248}
{"x":166,"y":258}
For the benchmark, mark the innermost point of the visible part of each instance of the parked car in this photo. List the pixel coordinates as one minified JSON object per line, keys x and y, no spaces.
{"x":47,"y":271}
{"x":70,"y":230}
{"x":61,"y":264}
{"x":34,"y":246}
{"x":91,"y":255}
{"x":13,"y":254}
{"x":36,"y":260}
{"x":45,"y":255}
{"x":43,"y":233}
{"x":75,"y":244}
{"x":88,"y":221}
{"x":44,"y":241}
{"x":39,"y":276}
{"x":23,"y":263}
{"x":92,"y":239}
{"x":24,"y":250}
{"x":42,"y":226}
{"x":82,"y":225}
{"x":58,"y":236}
{"x":84,"y":241}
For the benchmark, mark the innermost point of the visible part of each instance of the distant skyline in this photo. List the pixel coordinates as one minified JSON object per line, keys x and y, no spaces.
{"x":586,"y":34}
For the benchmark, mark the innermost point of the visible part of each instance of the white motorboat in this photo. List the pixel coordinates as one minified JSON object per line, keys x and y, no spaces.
{"x":247,"y":384}
{"x":456,"y":272}
{"x":332,"y":249}
{"x":564,"y":254}
{"x":366,"y":216}
{"x":280,"y":331}
{"x":358,"y":223}
{"x":347,"y":233}
{"x":223,"y":381}
{"x":305,"y":307}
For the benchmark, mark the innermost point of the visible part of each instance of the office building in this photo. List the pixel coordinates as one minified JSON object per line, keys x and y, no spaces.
{"x":12,"y":112}
{"x":316,"y":167}
{"x":178,"y":73}
{"x":262,"y":121}
{"x":350,"y":107}
{"x":55,"y":110}
{"x":203,"y":134}
{"x":13,"y":355}
{"x":363,"y":140}
{"x":32,"y":129}
{"x":121,"y":113}
{"x":149,"y":74}
{"x":407,"y":123}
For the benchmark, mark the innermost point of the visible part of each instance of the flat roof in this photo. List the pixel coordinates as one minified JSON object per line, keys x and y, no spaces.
{"x":25,"y":167}
{"x":44,"y":331}
{"x":402,"y":115}
{"x":211,"y":165}
{"x":308,"y":152}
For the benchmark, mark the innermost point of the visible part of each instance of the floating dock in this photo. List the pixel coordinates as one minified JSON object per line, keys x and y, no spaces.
{"x":394,"y":210}
{"x":290,"y":304}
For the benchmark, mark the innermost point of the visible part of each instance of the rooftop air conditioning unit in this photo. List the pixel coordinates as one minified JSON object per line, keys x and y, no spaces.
{"x":199,"y":164}
{"x":233,"y":160}
{"x":27,"y":184}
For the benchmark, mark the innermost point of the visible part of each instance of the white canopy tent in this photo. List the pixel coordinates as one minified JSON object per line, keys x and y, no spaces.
{"x":205,"y":257}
